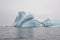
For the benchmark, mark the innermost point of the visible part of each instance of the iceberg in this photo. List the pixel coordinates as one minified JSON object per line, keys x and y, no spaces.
{"x":51,"y":23}
{"x":25,"y":21}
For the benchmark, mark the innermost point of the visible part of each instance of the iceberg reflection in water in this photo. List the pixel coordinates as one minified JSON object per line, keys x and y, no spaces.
{"x":25,"y":33}
{"x":25,"y":25}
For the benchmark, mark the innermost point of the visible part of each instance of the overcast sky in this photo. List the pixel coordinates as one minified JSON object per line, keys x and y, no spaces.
{"x":41,"y":9}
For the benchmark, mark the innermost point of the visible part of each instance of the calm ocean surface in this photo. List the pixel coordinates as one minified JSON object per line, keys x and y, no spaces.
{"x":39,"y":33}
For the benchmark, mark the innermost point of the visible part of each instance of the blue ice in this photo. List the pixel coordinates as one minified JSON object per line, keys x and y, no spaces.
{"x":25,"y":21}
{"x":51,"y":23}
{"x":28,"y":21}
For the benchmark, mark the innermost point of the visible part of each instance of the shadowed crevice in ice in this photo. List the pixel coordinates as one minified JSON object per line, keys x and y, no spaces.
{"x":51,"y":23}
{"x":25,"y":21}
{"x":20,"y":16}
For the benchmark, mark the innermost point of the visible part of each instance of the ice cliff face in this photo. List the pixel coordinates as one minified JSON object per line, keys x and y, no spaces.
{"x":25,"y":21}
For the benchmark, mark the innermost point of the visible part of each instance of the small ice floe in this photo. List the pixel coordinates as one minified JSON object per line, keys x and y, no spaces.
{"x":51,"y":23}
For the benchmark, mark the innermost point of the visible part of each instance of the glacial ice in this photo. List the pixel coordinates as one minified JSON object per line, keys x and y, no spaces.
{"x":25,"y":21}
{"x":51,"y":23}
{"x":28,"y":21}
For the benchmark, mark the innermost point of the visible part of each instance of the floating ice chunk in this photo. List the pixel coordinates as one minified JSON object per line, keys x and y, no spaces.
{"x":51,"y":23}
{"x":25,"y":21}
